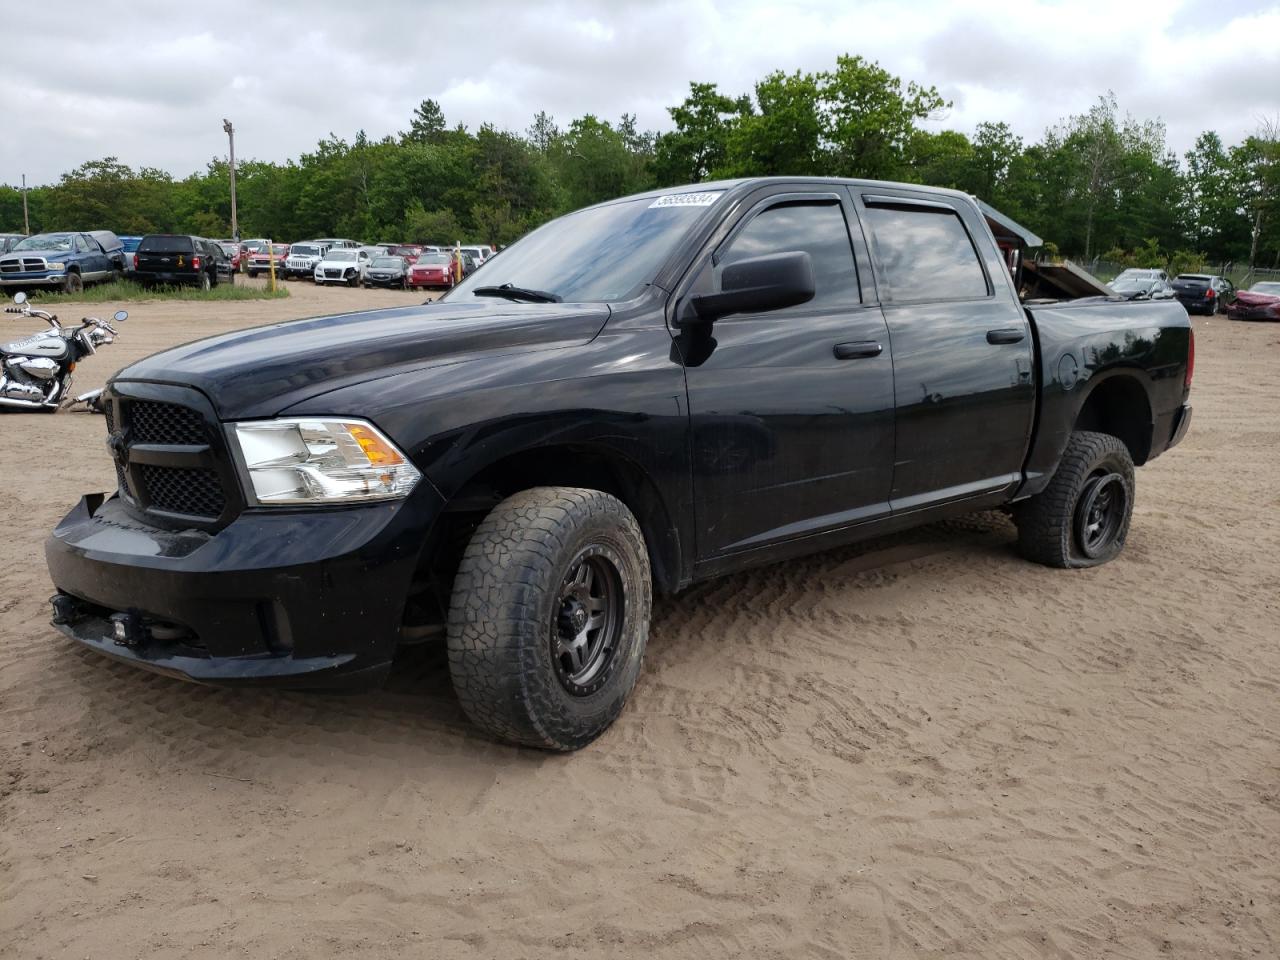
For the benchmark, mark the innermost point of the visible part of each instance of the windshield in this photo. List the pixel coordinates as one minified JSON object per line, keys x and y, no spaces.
{"x":341,"y":256}
{"x":388,"y":263}
{"x":1271,"y":289}
{"x":303,"y":250}
{"x":598,"y":254}
{"x":46,"y":241}
{"x":1131,"y":284}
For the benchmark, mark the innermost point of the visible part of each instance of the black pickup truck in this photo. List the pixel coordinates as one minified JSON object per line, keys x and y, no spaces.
{"x":639,"y":395}
{"x":179,"y":260}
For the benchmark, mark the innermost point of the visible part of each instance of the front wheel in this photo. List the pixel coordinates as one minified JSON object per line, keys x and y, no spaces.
{"x":1082,"y":518}
{"x":549,"y":617}
{"x":72,"y":283}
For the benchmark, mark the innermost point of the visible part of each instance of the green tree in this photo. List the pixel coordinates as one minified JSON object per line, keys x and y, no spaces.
{"x":781,"y":135}
{"x":699,"y":143}
{"x":869,"y":117}
{"x":427,"y":125}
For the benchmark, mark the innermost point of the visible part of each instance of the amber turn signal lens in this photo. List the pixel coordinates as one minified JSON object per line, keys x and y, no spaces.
{"x":375,"y":448}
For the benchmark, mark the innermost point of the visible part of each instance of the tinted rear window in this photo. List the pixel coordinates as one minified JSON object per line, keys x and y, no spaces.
{"x":165,"y":243}
{"x":926,"y":254}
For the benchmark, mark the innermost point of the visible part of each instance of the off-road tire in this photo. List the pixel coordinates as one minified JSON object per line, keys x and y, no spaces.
{"x":1049,"y":523}
{"x":72,"y":282}
{"x":505,"y":609}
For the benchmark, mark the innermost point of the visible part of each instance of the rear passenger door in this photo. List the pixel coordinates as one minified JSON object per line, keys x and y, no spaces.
{"x":964,"y":388}
{"x":791,"y":410}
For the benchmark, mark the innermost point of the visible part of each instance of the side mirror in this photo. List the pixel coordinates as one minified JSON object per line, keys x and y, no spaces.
{"x":122,"y":315}
{"x":756,"y":284}
{"x":20,"y":297}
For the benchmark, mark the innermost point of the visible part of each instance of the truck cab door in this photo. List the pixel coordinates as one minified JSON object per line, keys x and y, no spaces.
{"x":963,"y":354}
{"x":791,"y":410}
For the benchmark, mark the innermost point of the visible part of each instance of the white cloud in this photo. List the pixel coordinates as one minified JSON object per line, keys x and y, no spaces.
{"x":151,"y":83}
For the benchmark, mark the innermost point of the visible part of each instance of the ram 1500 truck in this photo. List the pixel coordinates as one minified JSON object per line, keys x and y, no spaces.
{"x":639,"y":395}
{"x":65,"y":261}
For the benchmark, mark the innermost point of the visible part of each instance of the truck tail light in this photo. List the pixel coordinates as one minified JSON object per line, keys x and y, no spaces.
{"x":1191,"y":357}
{"x":1209,"y":294}
{"x":195,"y":263}
{"x":135,"y":261}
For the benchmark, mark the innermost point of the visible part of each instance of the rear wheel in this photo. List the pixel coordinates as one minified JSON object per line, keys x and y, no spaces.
{"x":1082,"y":518}
{"x":205,"y":283}
{"x":550,"y":616}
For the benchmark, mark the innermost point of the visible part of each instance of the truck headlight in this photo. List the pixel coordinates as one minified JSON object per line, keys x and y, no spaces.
{"x":57,"y":267}
{"x":305,"y":460}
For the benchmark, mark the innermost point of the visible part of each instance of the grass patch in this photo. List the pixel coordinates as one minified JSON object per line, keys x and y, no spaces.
{"x":127,"y":291}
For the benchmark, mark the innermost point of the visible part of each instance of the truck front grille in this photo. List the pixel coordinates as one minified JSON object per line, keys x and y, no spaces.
{"x":165,"y":423}
{"x":23,"y":265}
{"x":194,"y":493}
{"x":167,"y":459}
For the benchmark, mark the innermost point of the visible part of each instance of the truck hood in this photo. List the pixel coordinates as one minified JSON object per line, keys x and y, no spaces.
{"x":260,"y":371}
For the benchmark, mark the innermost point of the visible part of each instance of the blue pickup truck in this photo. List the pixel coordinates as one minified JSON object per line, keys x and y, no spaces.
{"x":66,"y":261}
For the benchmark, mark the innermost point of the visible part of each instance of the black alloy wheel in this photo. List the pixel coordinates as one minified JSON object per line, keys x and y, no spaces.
{"x":588,"y":625}
{"x":1101,"y":513}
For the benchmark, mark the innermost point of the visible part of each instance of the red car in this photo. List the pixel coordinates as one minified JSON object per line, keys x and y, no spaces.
{"x":410,"y":251}
{"x":1259,"y":302}
{"x":260,"y":260}
{"x":432,"y":270}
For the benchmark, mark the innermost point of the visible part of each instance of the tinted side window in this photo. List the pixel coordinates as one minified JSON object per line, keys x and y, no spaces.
{"x":926,"y":254}
{"x":817,"y":229}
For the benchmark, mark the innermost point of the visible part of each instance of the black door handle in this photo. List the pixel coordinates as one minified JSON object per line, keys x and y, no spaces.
{"x":855,"y":349}
{"x":1006,"y":335}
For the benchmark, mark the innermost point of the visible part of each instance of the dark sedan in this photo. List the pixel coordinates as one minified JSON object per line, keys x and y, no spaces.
{"x":1203,"y":292}
{"x":1259,"y":302}
{"x":387,"y":272}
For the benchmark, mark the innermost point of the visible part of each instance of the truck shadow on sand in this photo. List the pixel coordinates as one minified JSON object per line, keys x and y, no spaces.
{"x":416,"y":710}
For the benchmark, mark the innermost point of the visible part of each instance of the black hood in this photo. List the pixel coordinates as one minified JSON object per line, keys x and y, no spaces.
{"x":260,"y":371}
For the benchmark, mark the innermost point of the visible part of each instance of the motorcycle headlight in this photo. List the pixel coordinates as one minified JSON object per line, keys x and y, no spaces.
{"x":58,"y":266}
{"x":298,"y":461}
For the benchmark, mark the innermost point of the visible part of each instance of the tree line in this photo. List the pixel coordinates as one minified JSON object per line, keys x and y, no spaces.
{"x":1095,"y":184}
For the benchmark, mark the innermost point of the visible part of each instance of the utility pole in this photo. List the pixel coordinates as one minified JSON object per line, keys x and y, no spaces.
{"x":26,"y":220}
{"x":231,"y":137}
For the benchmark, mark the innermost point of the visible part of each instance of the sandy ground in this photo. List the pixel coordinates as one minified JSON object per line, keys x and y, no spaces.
{"x":920,"y":748}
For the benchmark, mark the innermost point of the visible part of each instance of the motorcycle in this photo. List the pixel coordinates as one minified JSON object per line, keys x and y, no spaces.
{"x":35,"y":373}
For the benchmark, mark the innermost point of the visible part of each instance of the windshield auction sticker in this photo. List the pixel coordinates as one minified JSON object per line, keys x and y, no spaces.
{"x":686,"y":199}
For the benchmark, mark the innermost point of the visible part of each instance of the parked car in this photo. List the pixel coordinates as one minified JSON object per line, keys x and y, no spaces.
{"x":343,"y":265}
{"x":128,"y":247}
{"x":66,"y":261}
{"x":479,"y":254}
{"x":223,"y":266}
{"x":260,"y":259}
{"x":1259,"y":302}
{"x":387,"y":272}
{"x":1140,"y":273}
{"x":248,"y":248}
{"x":1203,"y":292}
{"x":231,"y":250}
{"x":9,"y":240}
{"x":410,"y":251}
{"x":523,"y":464}
{"x":303,"y":258}
{"x":177,"y":260}
{"x":1136,"y":288}
{"x":337,"y":243}
{"x":431,"y":270}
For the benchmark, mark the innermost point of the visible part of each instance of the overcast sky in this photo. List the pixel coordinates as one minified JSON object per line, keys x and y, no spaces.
{"x":149,"y":83}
